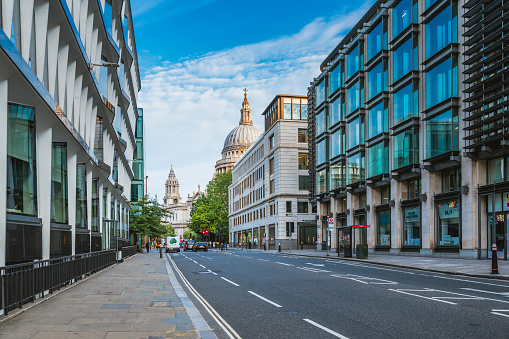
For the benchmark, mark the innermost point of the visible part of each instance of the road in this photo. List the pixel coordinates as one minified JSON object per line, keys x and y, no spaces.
{"x":266,"y":295}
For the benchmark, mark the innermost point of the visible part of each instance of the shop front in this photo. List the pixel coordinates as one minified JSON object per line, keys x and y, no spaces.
{"x":383,"y":229}
{"x":411,"y":227}
{"x":272,"y":237}
{"x":498,"y":215}
{"x":448,"y":233}
{"x":307,"y":234}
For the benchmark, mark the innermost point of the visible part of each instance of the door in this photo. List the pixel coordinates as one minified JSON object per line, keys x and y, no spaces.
{"x":500,"y":234}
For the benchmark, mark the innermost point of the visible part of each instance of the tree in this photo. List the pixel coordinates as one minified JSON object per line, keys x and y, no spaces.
{"x":146,"y":218}
{"x":210,"y":212}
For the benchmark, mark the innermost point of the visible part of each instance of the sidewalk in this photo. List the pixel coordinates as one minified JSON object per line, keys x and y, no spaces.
{"x":473,"y":268}
{"x":134,"y":299}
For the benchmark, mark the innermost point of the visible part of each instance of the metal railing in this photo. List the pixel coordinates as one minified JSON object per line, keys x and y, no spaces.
{"x":128,"y":251}
{"x":24,"y":283}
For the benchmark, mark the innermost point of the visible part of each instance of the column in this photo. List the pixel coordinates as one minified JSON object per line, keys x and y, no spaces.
{"x":72,"y":161}
{"x":3,"y":165}
{"x":398,"y":193}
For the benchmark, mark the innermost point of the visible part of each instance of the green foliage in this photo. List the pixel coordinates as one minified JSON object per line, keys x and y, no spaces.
{"x":188,"y":234}
{"x":210,"y":212}
{"x":146,"y":218}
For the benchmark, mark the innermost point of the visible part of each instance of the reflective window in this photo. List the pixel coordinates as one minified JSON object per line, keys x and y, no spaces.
{"x":21,"y":160}
{"x":428,"y":3}
{"x":355,"y":96}
{"x":448,"y":223}
{"x":302,"y":207}
{"x":95,"y":205}
{"x":384,"y":228}
{"x":442,"y":30}
{"x":108,"y":16}
{"x":337,"y":78}
{"x":59,"y":185}
{"x":355,"y":132}
{"x":337,"y":142}
{"x":338,"y":176}
{"x":406,"y":103}
{"x":337,"y":109}
{"x":414,"y":188}
{"x":302,"y":135}
{"x":377,"y":39}
{"x":442,"y":82}
{"x":81,"y":196}
{"x":406,"y":148}
{"x":320,"y":93}
{"x":405,"y":58}
{"x":378,"y":159}
{"x":451,"y":180}
{"x":322,"y":150}
{"x":378,"y":120}
{"x":303,"y":161}
{"x":412,"y":226}
{"x":287,"y":111}
{"x":304,"y":108}
{"x":377,"y":79}
{"x":355,"y":168}
{"x":126,"y":32}
{"x":103,"y":78}
{"x":303,"y":182}
{"x":496,"y":170}
{"x":121,"y":74}
{"x":296,"y":109}
{"x":321,"y":122}
{"x":442,"y":134}
{"x":322,"y":180}
{"x":353,"y":61}
{"x":403,"y":15}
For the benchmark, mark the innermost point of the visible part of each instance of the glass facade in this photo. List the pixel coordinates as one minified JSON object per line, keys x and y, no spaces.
{"x":412,"y":226}
{"x":355,"y":168}
{"x":384,"y":228}
{"x":81,"y":196}
{"x":337,"y":78}
{"x":21,"y":160}
{"x":322,"y":181}
{"x":337,"y":143}
{"x":355,"y":96}
{"x":322,"y":152}
{"x":404,"y":14}
{"x":377,"y":39}
{"x":95,"y":205}
{"x":322,"y":122}
{"x":355,"y":132}
{"x":338,"y":176}
{"x":405,"y":103}
{"x":406,"y":148}
{"x":59,"y":183}
{"x":337,"y":110}
{"x":442,"y":82}
{"x":378,"y":120}
{"x":448,"y":223}
{"x":377,"y":79}
{"x":320,"y":94}
{"x":442,"y":30}
{"x":378,"y":159}
{"x":442,"y":134}
{"x":405,"y":58}
{"x":353,"y":61}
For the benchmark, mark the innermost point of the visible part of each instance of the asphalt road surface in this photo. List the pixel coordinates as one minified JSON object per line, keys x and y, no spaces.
{"x":265,"y":295}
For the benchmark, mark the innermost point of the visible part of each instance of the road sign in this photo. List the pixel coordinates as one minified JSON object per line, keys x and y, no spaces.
{"x":331,"y":220}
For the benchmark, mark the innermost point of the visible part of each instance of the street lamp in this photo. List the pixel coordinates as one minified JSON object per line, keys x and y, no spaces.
{"x":104,"y":64}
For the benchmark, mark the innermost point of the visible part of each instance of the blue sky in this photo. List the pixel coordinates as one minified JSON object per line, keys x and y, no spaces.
{"x":195,"y":57}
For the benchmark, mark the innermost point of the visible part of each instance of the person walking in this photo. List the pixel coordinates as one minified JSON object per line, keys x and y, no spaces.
{"x":147,"y":246}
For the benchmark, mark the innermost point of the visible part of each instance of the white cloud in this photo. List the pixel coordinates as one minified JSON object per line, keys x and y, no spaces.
{"x":189,"y":107}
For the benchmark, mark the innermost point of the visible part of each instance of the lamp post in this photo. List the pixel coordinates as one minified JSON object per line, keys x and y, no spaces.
{"x":104,"y":64}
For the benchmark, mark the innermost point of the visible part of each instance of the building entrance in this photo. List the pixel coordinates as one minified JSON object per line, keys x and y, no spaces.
{"x":501,"y":234}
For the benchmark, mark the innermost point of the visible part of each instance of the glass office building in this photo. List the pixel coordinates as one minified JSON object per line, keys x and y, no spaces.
{"x":406,"y":121}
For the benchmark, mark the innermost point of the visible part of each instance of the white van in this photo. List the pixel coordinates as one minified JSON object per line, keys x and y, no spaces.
{"x":173,"y":244}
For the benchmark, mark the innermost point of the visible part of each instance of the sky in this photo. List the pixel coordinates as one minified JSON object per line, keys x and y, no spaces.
{"x":195,"y":58}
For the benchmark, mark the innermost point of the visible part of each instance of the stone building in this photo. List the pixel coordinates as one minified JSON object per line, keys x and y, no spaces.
{"x":238,"y":140}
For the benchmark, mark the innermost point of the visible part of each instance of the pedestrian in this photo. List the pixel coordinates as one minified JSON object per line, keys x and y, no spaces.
{"x":147,"y":246}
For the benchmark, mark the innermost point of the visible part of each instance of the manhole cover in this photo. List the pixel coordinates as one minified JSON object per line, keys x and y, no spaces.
{"x":160,"y":304}
{"x":108,"y":293}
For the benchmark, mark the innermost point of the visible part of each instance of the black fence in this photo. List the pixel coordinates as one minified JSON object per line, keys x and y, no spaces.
{"x":128,"y":251}
{"x":23,"y":283}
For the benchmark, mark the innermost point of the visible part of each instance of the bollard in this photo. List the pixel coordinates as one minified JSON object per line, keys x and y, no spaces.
{"x":301,"y":245}
{"x":279,"y":247}
{"x":494,"y":262}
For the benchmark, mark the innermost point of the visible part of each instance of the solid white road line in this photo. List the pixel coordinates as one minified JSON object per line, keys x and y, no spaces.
{"x":473,"y":289}
{"x":320,"y":265}
{"x":231,"y":282}
{"x":328,"y":330}
{"x":214,"y":273}
{"x":420,"y":296}
{"x":202,"y":266}
{"x":282,"y":263}
{"x":502,"y":314}
{"x":265,"y":299}
{"x":470,"y":281}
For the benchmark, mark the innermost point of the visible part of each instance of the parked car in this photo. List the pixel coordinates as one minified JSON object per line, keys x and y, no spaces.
{"x":188,"y":245}
{"x":200,"y":246}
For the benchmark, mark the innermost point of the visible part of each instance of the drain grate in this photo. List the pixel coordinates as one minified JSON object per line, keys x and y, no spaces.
{"x":160,"y":304}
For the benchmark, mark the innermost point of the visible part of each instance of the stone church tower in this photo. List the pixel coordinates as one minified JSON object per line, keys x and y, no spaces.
{"x":171,"y":195}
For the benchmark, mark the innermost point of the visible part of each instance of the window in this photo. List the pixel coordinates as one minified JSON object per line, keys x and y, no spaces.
{"x":302,"y":135}
{"x":406,"y":103}
{"x":320,"y":93}
{"x":288,"y":207}
{"x":355,"y":96}
{"x":21,"y":160}
{"x":442,"y":134}
{"x":385,"y":195}
{"x":118,"y":120}
{"x":403,"y":15}
{"x":304,"y":108}
{"x":337,"y":78}
{"x":302,"y":207}
{"x":496,"y":170}
{"x":355,"y":132}
{"x":321,"y":122}
{"x":355,"y":168}
{"x":406,"y":148}
{"x":114,"y":173}
{"x":378,"y":159}
{"x":322,"y":152}
{"x":126,"y":32}
{"x":377,"y":39}
{"x":377,"y":79}
{"x":287,"y":109}
{"x":103,"y":78}
{"x":303,"y":183}
{"x":448,"y":223}
{"x":442,"y":82}
{"x":108,"y":16}
{"x":272,"y":186}
{"x":303,"y":161}
{"x":105,"y":204}
{"x":412,"y":226}
{"x":405,"y":58}
{"x":81,"y":196}
{"x":442,"y":30}
{"x":338,"y":177}
{"x":378,"y":120}
{"x":337,"y":142}
{"x":295,"y":109}
{"x":95,"y":205}
{"x":271,"y":141}
{"x":353,"y":61}
{"x":428,"y":3}
{"x":451,"y":180}
{"x":337,"y":110}
{"x":384,"y":228}
{"x":121,"y":74}
{"x":271,"y":166}
{"x":59,"y":192}
{"x":322,"y":180}
{"x":414,"y":188}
